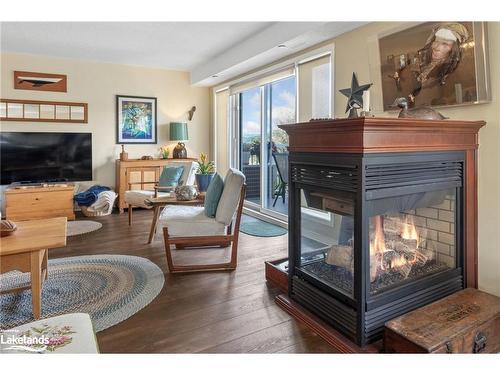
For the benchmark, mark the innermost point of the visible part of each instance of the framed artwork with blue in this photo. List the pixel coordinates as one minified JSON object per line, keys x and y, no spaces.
{"x":136,"y":119}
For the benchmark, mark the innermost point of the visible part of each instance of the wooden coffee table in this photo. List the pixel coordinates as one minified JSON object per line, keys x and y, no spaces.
{"x":160,"y":202}
{"x":27,"y":251}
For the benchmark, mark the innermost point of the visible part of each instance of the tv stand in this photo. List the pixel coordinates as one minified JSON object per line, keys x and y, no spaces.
{"x":27,"y":202}
{"x":42,"y":183}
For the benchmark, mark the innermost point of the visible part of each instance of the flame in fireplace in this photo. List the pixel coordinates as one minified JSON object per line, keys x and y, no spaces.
{"x":377,"y":244}
{"x":398,"y":261}
{"x":408,"y":238}
{"x":409,"y":231}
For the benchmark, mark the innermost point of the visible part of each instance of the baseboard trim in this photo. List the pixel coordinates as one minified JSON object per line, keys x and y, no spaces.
{"x":269,"y":219}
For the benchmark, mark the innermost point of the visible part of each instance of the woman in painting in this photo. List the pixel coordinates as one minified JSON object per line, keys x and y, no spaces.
{"x":435,"y":61}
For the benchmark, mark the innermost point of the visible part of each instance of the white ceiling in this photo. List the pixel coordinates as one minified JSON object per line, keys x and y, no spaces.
{"x":170,"y":45}
{"x":205,"y":49}
{"x":263,"y":48}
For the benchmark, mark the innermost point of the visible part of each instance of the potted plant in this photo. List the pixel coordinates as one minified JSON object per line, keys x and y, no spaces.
{"x":164,"y":152}
{"x":204,"y":173}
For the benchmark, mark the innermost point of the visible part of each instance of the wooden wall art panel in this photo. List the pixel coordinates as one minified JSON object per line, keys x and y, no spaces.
{"x":40,"y":81}
{"x":43,"y":111}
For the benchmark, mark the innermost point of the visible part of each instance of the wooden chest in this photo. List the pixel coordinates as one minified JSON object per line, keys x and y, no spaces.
{"x":31,"y":203}
{"x":465,"y":322}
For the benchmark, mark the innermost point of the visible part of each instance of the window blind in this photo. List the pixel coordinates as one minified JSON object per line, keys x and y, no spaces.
{"x":315,"y":88}
{"x":222,"y":131}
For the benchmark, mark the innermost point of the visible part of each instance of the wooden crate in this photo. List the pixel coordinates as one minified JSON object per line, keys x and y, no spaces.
{"x":465,"y":322}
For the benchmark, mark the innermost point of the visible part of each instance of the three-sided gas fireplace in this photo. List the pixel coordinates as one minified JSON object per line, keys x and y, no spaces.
{"x":377,"y":218}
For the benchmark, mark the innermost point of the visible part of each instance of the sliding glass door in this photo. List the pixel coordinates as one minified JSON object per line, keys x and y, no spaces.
{"x":281,"y":110}
{"x":263,"y":155}
{"x":250,"y":116}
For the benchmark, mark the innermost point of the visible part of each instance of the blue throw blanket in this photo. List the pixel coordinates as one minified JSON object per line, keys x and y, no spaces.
{"x":88,"y":197}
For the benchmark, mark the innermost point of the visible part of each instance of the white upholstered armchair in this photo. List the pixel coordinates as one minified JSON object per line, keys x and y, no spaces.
{"x":137,"y":198}
{"x":189,"y":226}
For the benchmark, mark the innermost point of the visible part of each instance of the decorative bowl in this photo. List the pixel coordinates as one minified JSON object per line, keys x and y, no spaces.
{"x":7,"y":228}
{"x":186,"y":193}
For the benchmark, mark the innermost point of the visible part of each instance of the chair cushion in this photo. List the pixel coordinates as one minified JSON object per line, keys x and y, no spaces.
{"x":188,"y":221}
{"x":171,"y":175}
{"x":189,"y":170}
{"x":230,"y":196}
{"x":137,"y":198}
{"x":213,"y":195}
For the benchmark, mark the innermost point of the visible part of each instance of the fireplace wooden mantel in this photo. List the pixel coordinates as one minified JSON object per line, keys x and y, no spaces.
{"x":365,"y":135}
{"x":378,"y":134}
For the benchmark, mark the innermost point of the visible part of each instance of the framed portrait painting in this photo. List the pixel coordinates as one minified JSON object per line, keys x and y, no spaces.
{"x":436,"y":64}
{"x":136,"y":119}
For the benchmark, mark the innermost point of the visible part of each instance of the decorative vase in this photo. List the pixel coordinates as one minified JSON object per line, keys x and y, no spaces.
{"x":203,"y":180}
{"x":186,"y":193}
{"x":180,"y":151}
{"x":123,"y":154}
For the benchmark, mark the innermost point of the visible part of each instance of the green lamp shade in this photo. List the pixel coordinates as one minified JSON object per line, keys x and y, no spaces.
{"x":178,"y":131}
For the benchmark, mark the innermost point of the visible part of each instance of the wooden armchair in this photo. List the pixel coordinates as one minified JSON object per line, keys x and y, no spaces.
{"x":189,"y":227}
{"x":138,"y":198}
{"x":157,"y":188}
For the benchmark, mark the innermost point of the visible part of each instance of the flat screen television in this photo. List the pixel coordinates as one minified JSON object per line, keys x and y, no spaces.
{"x":45,"y":157}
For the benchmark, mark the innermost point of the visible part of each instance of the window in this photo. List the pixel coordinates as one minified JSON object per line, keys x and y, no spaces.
{"x":247,"y":118}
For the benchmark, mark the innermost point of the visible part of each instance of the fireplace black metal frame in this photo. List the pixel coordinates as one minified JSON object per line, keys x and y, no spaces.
{"x":362,"y":316}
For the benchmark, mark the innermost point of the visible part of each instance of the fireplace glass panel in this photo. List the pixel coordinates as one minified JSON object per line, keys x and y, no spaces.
{"x":410,"y":237}
{"x":327,"y":238}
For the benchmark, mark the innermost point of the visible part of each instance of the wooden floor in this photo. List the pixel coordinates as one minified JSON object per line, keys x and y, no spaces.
{"x":221,"y":312}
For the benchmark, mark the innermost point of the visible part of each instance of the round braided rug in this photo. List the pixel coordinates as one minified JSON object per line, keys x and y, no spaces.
{"x":110,"y":288}
{"x":79,"y":227}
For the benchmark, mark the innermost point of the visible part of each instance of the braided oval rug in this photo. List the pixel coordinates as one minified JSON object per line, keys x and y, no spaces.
{"x":110,"y":288}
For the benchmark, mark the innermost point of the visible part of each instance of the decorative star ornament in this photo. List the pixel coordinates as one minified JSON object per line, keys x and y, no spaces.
{"x":354,"y":95}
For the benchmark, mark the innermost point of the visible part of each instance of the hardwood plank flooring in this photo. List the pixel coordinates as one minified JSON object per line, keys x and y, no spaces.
{"x":211,"y":312}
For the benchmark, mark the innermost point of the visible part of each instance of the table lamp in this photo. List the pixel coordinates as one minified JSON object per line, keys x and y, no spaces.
{"x":179,"y":132}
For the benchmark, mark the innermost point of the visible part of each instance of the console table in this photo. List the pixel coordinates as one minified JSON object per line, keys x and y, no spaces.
{"x":39,"y":202}
{"x":142,"y":174}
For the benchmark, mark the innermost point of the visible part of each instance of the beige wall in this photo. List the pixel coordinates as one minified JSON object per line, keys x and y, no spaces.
{"x":355,"y":51}
{"x":97,"y":84}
